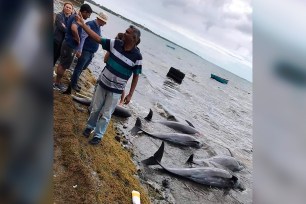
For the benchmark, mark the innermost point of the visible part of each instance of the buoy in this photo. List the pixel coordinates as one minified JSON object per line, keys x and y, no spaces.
{"x":135,"y":197}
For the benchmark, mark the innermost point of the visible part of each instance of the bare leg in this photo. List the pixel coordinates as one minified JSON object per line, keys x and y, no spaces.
{"x":59,"y":74}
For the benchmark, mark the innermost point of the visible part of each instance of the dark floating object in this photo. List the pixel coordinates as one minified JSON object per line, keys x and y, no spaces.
{"x":176,"y":75}
{"x":171,"y":47}
{"x":219,"y":79}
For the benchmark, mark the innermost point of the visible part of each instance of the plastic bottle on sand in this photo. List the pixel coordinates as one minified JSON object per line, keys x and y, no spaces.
{"x":135,"y":197}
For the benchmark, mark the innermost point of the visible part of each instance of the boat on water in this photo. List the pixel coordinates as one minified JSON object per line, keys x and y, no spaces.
{"x":219,"y":79}
{"x":171,"y":47}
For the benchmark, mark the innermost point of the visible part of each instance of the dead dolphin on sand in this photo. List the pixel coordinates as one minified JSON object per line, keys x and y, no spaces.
{"x":225,"y":162}
{"x":177,"y":138}
{"x":119,"y":110}
{"x":187,"y":129}
{"x":208,"y":176}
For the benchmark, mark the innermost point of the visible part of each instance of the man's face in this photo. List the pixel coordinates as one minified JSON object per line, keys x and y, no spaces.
{"x":100,"y":22}
{"x":85,"y":14}
{"x":129,"y":36}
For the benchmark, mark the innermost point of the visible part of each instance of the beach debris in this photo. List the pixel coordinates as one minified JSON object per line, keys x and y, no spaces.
{"x":117,"y":137}
{"x":75,"y":186}
{"x":166,"y":183}
{"x":125,"y":142}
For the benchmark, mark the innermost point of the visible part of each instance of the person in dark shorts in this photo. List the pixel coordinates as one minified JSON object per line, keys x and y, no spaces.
{"x":88,"y":47}
{"x":70,"y":44}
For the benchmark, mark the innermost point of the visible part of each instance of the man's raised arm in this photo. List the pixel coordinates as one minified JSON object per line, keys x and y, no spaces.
{"x":79,"y":19}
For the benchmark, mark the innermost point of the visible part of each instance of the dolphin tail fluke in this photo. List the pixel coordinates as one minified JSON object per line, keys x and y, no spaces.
{"x":190,"y":159}
{"x":157,"y":157}
{"x":189,"y":123}
{"x":230,"y":152}
{"x":137,"y":127}
{"x":149,"y":116}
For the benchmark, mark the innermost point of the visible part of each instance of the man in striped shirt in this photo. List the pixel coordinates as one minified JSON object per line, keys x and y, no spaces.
{"x":124,"y":61}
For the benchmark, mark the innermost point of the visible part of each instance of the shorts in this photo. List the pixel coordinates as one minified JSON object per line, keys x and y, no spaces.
{"x":67,"y":55}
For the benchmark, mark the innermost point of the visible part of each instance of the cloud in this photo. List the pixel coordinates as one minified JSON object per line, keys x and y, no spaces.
{"x":245,"y":28}
{"x":226,"y":23}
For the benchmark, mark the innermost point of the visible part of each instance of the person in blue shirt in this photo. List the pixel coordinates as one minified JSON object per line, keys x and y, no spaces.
{"x":69,"y":46}
{"x":60,"y":27}
{"x":124,"y":61}
{"x":87,"y":48}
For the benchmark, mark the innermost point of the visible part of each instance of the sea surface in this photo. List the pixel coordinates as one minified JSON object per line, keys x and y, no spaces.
{"x":221,"y":112}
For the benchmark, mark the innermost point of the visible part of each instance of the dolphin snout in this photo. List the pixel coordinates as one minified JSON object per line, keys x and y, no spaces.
{"x":240,"y":187}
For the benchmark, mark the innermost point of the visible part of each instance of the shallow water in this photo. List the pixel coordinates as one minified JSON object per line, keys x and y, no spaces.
{"x":222,"y":113}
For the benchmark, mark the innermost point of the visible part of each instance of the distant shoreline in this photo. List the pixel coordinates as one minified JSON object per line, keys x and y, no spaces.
{"x":139,"y":25}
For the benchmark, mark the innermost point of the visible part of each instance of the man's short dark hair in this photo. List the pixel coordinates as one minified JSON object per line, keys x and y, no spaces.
{"x":86,"y":7}
{"x":136,"y":32}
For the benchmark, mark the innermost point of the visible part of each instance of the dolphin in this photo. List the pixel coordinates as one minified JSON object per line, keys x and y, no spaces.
{"x":176,"y":138}
{"x":119,"y":110}
{"x":122,"y":112}
{"x":226,"y":162}
{"x":171,"y":115}
{"x":208,"y":176}
{"x":187,"y":129}
{"x":82,"y":100}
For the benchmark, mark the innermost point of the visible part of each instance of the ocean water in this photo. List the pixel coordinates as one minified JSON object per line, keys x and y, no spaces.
{"x":222,"y":113}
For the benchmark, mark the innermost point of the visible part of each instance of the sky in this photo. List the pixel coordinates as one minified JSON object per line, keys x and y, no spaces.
{"x":219,"y":31}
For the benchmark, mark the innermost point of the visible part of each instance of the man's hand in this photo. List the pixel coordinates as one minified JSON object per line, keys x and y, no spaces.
{"x":78,"y":54}
{"x":77,"y":39}
{"x":79,"y":19}
{"x":127,"y":99}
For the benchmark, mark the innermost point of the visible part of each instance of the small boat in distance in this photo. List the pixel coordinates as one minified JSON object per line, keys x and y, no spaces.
{"x":219,"y":79}
{"x":171,"y":47}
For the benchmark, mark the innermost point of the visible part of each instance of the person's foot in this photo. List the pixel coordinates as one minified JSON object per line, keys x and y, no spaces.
{"x":87,"y":132}
{"x":59,"y":87}
{"x":95,"y":140}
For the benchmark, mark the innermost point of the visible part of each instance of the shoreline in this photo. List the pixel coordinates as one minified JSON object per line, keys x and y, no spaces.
{"x":90,"y":174}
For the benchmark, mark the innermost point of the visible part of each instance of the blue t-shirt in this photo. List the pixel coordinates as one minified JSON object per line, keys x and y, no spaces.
{"x":69,"y":37}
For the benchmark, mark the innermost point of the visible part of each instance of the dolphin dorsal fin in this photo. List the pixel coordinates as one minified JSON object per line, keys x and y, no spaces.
{"x":190,"y":159}
{"x":157,"y":157}
{"x":189,"y":123}
{"x":149,"y":116}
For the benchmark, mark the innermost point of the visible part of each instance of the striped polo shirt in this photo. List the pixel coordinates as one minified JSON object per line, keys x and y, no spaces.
{"x":120,"y":65}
